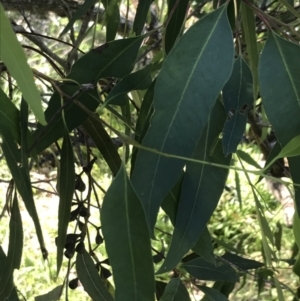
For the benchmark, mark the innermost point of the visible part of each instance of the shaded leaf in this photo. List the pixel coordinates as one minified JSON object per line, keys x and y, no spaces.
{"x":66,"y":189}
{"x":242,"y":263}
{"x":141,"y":16}
{"x":203,"y":270}
{"x":124,"y":228}
{"x":295,"y":174}
{"x":212,"y":294}
{"x":14,"y":254}
{"x":238,"y":98}
{"x":112,"y":16}
{"x":53,"y":295}
{"x":159,"y":289}
{"x":96,"y":131}
{"x":201,"y":190}
{"x":15,"y":60}
{"x":247,"y":158}
{"x":90,"y":279}
{"x":182,"y":105}
{"x":113,"y":59}
{"x":175,"y":291}
{"x":139,"y":80}
{"x":175,"y":24}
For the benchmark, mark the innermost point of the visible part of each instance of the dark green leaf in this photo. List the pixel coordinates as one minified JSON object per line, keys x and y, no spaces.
{"x":66,"y":190}
{"x":90,"y":279}
{"x":280,"y":90}
{"x":212,"y":293}
{"x":82,"y":9}
{"x":238,"y":99}
{"x":14,"y":254}
{"x":114,"y":59}
{"x":127,"y":241}
{"x":203,"y":270}
{"x":159,"y":289}
{"x":24,"y":132}
{"x":22,"y":181}
{"x":294,"y":163}
{"x":112,"y":16}
{"x":175,"y":291}
{"x":247,"y":158}
{"x":139,"y":80}
{"x":141,"y":16}
{"x":96,"y":131}
{"x":175,"y":23}
{"x":53,"y":295}
{"x":182,"y":105}
{"x":201,"y":190}
{"x":242,"y":263}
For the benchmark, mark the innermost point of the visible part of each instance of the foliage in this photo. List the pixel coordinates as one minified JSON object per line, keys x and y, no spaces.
{"x":182,"y":98}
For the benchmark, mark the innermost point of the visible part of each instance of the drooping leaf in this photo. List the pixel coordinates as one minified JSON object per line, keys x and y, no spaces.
{"x":90,"y":278}
{"x":279,"y":78}
{"x":139,"y":80}
{"x":112,"y":16}
{"x":53,"y":295}
{"x":175,"y":291}
{"x":295,"y":173}
{"x":12,"y":54}
{"x":182,"y":103}
{"x":247,"y":158}
{"x":238,"y":99}
{"x":242,"y":263}
{"x":9,"y":118}
{"x":24,"y":113}
{"x":96,"y":131}
{"x":82,"y":9}
{"x":203,"y":270}
{"x":66,"y":191}
{"x":212,"y":294}
{"x":113,"y":59}
{"x":175,"y":24}
{"x":127,"y":241}
{"x":159,"y":289}
{"x":141,"y":16}
{"x":201,"y":190}
{"x":14,"y":254}
{"x":22,"y":181}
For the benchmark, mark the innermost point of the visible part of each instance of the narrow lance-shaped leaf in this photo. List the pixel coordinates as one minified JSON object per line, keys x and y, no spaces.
{"x":175,"y":291}
{"x":15,"y":248}
{"x":113,"y":59}
{"x":212,"y":294}
{"x":140,"y":16}
{"x":238,"y":99}
{"x":201,"y":190}
{"x":90,"y":278}
{"x":66,"y":190}
{"x":112,"y":17}
{"x":52,"y":295}
{"x":127,"y":241}
{"x":12,"y":54}
{"x":185,"y":92}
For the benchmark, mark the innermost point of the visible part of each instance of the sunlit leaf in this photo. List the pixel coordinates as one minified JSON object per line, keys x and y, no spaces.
{"x":12,"y":54}
{"x":66,"y":190}
{"x":127,"y":241}
{"x":183,"y":100}
{"x":247,"y":158}
{"x":175,"y":291}
{"x":90,"y":278}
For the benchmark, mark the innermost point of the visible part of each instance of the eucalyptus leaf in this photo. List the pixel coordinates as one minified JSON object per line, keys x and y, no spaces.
{"x":175,"y":291}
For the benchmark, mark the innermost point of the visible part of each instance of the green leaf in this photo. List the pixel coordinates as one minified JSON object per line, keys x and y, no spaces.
{"x":201,"y":190}
{"x":280,"y":90}
{"x":203,"y":270}
{"x":82,"y":9}
{"x":112,"y":16}
{"x":175,"y":23}
{"x":12,"y":54}
{"x":141,"y":16}
{"x":295,"y":174}
{"x":175,"y":291}
{"x":238,"y":99}
{"x":159,"y":289}
{"x":139,"y":80}
{"x":127,"y":241}
{"x":14,"y":254}
{"x":212,"y":294}
{"x":113,"y":59}
{"x":90,"y":279}
{"x":182,"y":105}
{"x":9,"y":118}
{"x":242,"y":263}
{"x":96,"y":131}
{"x":22,"y":181}
{"x":53,"y":295}
{"x":66,"y":191}
{"x":247,"y":158}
